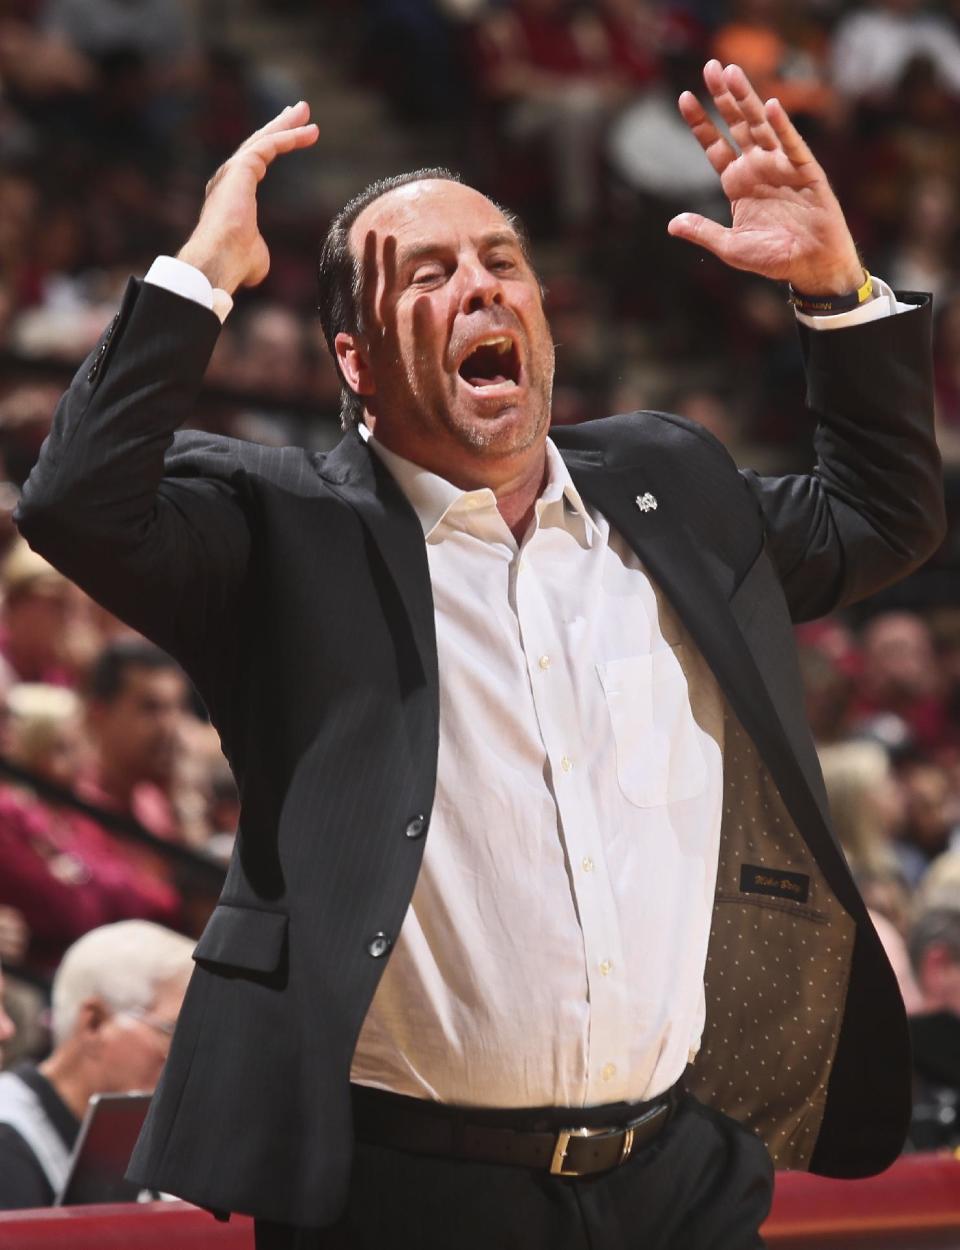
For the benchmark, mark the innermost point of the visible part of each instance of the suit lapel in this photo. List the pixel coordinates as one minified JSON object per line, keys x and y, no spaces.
{"x":355,"y":474}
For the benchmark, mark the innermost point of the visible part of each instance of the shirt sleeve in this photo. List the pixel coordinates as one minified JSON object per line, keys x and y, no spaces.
{"x":883,"y":304}
{"x":187,"y":281}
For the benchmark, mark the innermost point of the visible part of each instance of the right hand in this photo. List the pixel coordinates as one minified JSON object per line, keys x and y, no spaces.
{"x":227,"y":244}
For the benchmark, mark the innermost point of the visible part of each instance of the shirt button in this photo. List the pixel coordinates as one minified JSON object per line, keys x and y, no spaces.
{"x":566,"y":764}
{"x":606,"y":968}
{"x":521,"y":566}
{"x":378,"y":945}
{"x":416,"y":825}
{"x":586,"y":864}
{"x":609,"y":1071}
{"x":544,"y":661}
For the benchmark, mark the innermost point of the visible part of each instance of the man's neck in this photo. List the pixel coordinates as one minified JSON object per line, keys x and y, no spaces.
{"x":68,"y":1082}
{"x":517,"y":481}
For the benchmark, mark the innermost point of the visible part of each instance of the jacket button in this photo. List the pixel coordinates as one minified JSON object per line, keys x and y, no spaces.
{"x":378,"y":945}
{"x":416,"y":826}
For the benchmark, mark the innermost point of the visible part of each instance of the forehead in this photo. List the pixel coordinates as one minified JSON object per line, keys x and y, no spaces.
{"x":430,"y":211}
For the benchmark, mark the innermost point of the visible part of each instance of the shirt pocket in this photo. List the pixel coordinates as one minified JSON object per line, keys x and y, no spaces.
{"x":659,"y":756}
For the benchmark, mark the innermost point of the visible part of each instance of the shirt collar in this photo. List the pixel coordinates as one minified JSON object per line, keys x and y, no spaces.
{"x":432,"y":497}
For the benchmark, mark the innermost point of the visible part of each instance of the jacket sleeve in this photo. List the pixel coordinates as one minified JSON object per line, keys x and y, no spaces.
{"x":165,"y":552}
{"x":872,"y":509}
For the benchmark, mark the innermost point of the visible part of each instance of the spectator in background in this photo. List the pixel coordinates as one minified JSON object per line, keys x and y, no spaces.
{"x":547,"y":66}
{"x":924,"y":256}
{"x":21,"y":1002}
{"x":45,"y":632}
{"x":935,"y":1029}
{"x":940,"y":887}
{"x":829,"y":666}
{"x":784,"y":54}
{"x":873,"y":47}
{"x":931,"y":816}
{"x":901,"y":675}
{"x":865,"y":803}
{"x":116,"y":998}
{"x":65,"y":873}
{"x":136,"y":705}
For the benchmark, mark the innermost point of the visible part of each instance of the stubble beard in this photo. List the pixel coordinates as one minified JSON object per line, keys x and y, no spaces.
{"x":494,"y":437}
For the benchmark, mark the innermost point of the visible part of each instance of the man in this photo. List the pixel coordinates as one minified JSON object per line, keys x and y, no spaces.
{"x":116,"y":997}
{"x":934,"y":945}
{"x":576,"y":670}
{"x":136,"y":706}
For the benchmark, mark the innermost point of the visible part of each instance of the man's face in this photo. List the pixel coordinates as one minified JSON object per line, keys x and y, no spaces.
{"x":132,"y":1047}
{"x":138,"y":730}
{"x":456,"y":359}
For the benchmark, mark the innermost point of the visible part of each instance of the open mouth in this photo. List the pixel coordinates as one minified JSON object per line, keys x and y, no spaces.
{"x":494,"y":361}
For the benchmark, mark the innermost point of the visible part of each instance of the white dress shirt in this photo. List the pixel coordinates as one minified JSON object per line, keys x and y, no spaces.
{"x":554,"y":948}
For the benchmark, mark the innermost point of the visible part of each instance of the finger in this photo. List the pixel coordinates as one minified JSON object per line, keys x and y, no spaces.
{"x":293,"y":115}
{"x":750,"y":106}
{"x":700,"y":230}
{"x":388,"y":297}
{"x":368,"y":282}
{"x":268,"y":147}
{"x":790,"y":139}
{"x":727,"y":106}
{"x":719,"y":151}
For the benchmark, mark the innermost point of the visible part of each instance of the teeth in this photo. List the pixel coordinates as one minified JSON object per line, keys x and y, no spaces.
{"x":501,"y":344}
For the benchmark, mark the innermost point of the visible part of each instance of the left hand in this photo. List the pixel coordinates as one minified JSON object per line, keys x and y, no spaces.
{"x":787,"y":223}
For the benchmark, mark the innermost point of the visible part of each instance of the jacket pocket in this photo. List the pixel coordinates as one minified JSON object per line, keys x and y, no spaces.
{"x":659,"y":757}
{"x":243,"y":937}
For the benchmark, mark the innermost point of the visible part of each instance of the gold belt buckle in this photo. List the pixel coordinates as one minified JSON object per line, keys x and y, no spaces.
{"x":563,"y":1141}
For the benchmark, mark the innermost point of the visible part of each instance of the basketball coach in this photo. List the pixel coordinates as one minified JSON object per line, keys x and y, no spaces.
{"x":536,"y":933}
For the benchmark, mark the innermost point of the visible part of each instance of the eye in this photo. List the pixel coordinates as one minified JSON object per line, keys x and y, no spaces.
{"x":501,"y":264}
{"x":427,"y":275}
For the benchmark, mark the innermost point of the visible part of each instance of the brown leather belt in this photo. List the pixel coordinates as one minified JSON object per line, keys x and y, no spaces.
{"x":422,"y":1127}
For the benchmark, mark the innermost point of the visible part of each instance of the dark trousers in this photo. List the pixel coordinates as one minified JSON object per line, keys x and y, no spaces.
{"x":704,"y":1183}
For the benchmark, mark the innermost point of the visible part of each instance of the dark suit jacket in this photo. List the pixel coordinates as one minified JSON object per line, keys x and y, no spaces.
{"x":295,"y":591}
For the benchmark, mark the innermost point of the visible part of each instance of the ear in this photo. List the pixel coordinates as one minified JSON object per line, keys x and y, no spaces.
{"x":353,"y":362}
{"x":91,"y":1017}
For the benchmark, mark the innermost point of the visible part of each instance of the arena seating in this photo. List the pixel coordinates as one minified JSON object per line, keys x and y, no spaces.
{"x":913,"y":1206}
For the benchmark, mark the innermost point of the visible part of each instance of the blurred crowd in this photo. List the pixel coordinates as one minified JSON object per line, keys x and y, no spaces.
{"x":116,"y":805}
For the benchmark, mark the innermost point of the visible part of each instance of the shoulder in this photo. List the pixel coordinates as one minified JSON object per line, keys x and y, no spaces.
{"x":22,"y":1180}
{"x":625,"y":437}
{"x":195,"y":453}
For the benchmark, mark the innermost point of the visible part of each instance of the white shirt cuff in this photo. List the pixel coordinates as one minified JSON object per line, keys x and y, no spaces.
{"x":187,"y":281}
{"x":883,"y":304}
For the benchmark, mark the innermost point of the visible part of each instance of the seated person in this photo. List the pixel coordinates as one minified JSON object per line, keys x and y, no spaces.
{"x":935,"y":1029}
{"x":116,"y":997}
{"x":57,"y":866}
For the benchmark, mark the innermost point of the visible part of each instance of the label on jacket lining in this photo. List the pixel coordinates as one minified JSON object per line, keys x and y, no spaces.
{"x":777,"y":882}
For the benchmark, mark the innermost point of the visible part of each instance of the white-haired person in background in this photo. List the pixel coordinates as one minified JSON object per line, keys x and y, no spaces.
{"x":116,"y":997}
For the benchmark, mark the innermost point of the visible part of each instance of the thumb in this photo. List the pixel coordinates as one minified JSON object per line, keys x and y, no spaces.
{"x":700,"y":230}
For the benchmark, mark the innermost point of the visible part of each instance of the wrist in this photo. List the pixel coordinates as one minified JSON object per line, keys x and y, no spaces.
{"x":832,"y":282}
{"x":210,"y":264}
{"x":818,"y":303}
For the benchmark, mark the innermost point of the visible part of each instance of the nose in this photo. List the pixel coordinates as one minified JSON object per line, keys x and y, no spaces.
{"x":481,"y":288}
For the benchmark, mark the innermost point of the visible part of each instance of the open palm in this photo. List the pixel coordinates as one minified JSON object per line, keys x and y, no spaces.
{"x":786,"y":222}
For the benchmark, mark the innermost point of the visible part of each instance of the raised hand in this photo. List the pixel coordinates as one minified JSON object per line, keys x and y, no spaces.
{"x":786,"y":221}
{"x":227,"y":244}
